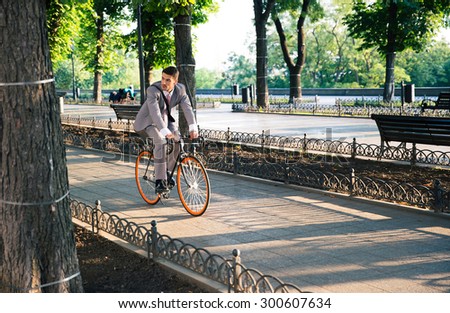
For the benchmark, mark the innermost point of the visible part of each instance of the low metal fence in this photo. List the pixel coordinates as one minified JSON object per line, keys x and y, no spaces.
{"x":222,"y":151}
{"x":295,"y":173}
{"x":353,"y":149}
{"x":231,"y":273}
{"x":342,"y":107}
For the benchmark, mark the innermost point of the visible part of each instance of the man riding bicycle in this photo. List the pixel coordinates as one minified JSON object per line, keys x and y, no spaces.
{"x":155,"y":120}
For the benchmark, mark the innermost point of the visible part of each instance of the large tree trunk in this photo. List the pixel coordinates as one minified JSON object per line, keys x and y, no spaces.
{"x":185,"y":63}
{"x":36,"y":235}
{"x":262,"y":14}
{"x":389,"y":82}
{"x":295,"y":69}
{"x":99,"y":58}
{"x":148,"y":25}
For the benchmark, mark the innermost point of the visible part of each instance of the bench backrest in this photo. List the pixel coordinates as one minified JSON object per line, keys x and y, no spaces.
{"x":443,"y":99}
{"x":125,"y":112}
{"x":414,"y":129}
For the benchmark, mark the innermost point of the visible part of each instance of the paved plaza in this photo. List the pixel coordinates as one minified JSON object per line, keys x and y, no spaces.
{"x":321,"y":242}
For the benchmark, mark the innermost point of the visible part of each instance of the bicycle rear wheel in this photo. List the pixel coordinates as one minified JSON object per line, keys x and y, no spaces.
{"x":145,"y":177}
{"x":193,"y":185}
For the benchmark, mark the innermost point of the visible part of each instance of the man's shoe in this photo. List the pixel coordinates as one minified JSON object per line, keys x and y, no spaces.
{"x":170,"y":181}
{"x":161,"y":186}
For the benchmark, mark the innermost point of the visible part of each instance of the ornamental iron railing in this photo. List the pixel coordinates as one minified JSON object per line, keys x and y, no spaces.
{"x":267,"y":157}
{"x":230,"y":273}
{"x":353,"y":149}
{"x":342,"y":107}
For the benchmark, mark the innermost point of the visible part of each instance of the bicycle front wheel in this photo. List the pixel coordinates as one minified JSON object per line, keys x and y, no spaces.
{"x":145,"y":177}
{"x":193,"y":185}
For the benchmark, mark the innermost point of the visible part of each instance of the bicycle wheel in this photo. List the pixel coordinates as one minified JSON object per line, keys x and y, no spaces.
{"x":145,"y":177}
{"x":193,"y":185}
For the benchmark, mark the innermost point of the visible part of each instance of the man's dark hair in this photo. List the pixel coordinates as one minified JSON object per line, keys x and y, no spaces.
{"x":172,"y":71}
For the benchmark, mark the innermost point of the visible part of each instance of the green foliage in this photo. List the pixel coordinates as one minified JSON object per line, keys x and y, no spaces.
{"x":332,"y":58}
{"x":239,"y":70}
{"x":205,"y":78}
{"x":410,"y":23}
{"x":157,"y":22}
{"x":100,"y":40}
{"x":430,"y":67}
{"x":63,"y":24}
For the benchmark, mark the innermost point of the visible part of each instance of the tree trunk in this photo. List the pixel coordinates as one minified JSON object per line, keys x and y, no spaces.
{"x":389,"y":82}
{"x":99,"y":61}
{"x":261,"y":17}
{"x":148,"y":25}
{"x":295,"y":70}
{"x":185,"y":63}
{"x":389,"y":85}
{"x":37,"y":241}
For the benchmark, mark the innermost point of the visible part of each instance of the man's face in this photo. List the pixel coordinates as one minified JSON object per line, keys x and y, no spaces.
{"x":168,"y":82}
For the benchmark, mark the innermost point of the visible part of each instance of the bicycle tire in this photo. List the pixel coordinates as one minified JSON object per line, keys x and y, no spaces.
{"x":193,"y":185}
{"x":145,"y":177}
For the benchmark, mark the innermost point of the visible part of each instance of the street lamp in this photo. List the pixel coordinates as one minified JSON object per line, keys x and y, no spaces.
{"x":73,"y":74}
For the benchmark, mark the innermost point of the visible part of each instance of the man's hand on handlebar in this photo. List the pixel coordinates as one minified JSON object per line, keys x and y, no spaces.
{"x":193,"y":135}
{"x":170,"y":136}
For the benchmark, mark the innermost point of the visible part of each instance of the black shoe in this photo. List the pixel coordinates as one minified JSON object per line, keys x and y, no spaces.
{"x":161,"y":186}
{"x":170,"y":181}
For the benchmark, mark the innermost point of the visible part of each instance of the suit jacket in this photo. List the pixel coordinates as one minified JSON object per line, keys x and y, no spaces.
{"x":151,"y":112}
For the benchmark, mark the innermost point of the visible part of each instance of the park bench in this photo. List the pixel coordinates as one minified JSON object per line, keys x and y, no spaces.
{"x":412,"y":129}
{"x":442,"y":102}
{"x":125,"y":111}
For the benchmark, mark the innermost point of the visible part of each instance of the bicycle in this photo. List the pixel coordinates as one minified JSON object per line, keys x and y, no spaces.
{"x":192,"y":180}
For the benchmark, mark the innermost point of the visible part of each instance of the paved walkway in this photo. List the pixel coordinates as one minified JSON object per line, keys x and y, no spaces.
{"x":319,"y":241}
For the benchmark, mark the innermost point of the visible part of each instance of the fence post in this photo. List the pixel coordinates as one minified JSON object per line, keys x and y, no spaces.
{"x":414,"y":154}
{"x":154,"y":238}
{"x":263,"y":139}
{"x":304,"y":144}
{"x":353,"y":157}
{"x":235,"y":163}
{"x":352,"y":181}
{"x":286,"y":169}
{"x":98,"y":207}
{"x":438,"y":193}
{"x":228,"y":135}
{"x":236,"y":269}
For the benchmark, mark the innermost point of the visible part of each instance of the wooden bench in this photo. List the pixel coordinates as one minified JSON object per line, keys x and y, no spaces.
{"x":442,"y":102}
{"x":412,"y":129}
{"x":125,"y":111}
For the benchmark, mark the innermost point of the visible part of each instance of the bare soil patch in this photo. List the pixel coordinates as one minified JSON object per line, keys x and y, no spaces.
{"x":109,"y":268}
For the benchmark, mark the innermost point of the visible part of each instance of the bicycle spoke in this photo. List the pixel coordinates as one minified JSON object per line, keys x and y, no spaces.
{"x":145,"y":179}
{"x":193,"y":186}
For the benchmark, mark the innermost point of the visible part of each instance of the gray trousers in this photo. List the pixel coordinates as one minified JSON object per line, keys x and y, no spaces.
{"x":162,"y":163}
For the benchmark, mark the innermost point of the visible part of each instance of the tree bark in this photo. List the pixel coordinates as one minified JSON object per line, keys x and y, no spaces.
{"x":389,"y":82}
{"x":99,"y":61}
{"x":295,"y":69}
{"x":261,"y":16}
{"x":37,"y":240}
{"x":185,"y":63}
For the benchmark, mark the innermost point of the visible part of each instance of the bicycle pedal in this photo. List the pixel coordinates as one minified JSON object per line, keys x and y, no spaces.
{"x":165,"y":195}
